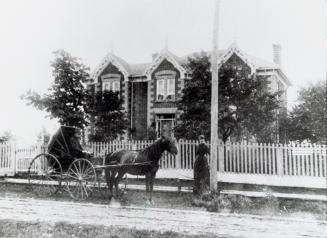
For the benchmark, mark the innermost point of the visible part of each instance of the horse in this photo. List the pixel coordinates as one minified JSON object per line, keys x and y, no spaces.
{"x":145,"y":162}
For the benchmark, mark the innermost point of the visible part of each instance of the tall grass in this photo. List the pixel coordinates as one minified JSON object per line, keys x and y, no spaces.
{"x":268,"y":205}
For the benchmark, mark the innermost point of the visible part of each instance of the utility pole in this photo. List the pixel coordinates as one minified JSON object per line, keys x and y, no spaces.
{"x":214,"y":103}
{"x":326,"y":85}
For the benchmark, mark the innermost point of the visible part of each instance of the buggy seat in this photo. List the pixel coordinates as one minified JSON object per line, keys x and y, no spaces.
{"x":59,"y":145}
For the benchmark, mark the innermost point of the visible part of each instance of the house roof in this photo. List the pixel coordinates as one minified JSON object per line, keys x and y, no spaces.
{"x":138,"y":69}
{"x":144,"y":69}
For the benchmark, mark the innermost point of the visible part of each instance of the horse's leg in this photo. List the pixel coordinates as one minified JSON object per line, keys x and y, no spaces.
{"x":151,"y":181}
{"x":117,"y":180}
{"x":110,"y":178}
{"x":147,"y":185}
{"x":112,"y":182}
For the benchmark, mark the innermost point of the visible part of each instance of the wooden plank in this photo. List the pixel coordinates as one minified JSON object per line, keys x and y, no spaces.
{"x":273,"y":158}
{"x":241,"y":150}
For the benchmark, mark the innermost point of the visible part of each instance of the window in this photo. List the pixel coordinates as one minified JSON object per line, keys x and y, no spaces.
{"x":170,"y":89}
{"x":111,"y":82}
{"x":113,"y":85}
{"x":106,"y":86}
{"x":166,"y":89}
{"x":160,"y":89}
{"x":116,"y":86}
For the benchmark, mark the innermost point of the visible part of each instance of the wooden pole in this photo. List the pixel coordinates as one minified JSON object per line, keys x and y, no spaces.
{"x":214,"y":103}
{"x":326,"y":94}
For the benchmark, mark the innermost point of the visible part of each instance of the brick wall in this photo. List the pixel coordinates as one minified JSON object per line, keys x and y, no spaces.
{"x":139,"y":109}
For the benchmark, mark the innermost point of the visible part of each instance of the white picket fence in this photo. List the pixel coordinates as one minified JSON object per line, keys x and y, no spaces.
{"x":299,"y":165}
{"x":7,"y":159}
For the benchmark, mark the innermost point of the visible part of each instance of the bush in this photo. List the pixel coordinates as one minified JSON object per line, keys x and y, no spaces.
{"x":214,"y":202}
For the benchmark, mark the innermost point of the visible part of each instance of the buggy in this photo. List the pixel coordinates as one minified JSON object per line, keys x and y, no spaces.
{"x":48,"y":170}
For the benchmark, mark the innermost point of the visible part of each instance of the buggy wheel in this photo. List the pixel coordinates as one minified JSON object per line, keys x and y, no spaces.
{"x":44,"y":175}
{"x":81,"y":179}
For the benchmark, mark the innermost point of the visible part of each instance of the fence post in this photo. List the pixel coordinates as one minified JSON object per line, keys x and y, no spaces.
{"x":221,"y":159}
{"x":279,"y":160}
{"x":13,"y":159}
{"x":178,"y":157}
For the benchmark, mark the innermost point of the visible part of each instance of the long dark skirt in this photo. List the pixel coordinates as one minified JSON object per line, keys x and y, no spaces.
{"x":201,"y":175}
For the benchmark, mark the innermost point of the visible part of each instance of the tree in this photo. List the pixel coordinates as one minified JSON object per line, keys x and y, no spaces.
{"x":308,"y":119}
{"x":246,"y":107}
{"x":6,"y":136}
{"x":67,"y":97}
{"x":108,"y":117}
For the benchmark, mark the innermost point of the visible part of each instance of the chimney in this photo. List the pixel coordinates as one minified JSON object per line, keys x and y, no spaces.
{"x":154,"y":56}
{"x":277,"y":50}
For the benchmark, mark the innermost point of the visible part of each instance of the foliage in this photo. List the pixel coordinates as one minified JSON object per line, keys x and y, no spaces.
{"x":108,"y":117}
{"x":67,"y":97}
{"x":246,"y":107}
{"x":307,"y":120}
{"x":266,"y":205}
{"x":6,"y":136}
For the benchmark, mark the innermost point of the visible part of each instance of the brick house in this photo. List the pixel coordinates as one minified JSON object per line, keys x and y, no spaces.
{"x":150,"y":90}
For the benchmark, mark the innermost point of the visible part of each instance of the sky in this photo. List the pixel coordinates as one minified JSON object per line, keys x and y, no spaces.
{"x":30,"y":31}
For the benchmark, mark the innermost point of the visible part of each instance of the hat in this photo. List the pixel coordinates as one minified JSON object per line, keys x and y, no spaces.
{"x":201,"y":137}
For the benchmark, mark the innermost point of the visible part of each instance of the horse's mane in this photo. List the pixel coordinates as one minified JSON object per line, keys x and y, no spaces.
{"x":154,"y":151}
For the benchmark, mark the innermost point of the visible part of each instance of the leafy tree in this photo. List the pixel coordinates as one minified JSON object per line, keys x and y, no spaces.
{"x":308,"y":119}
{"x":109,"y":120}
{"x":6,"y":136}
{"x":246,"y":107}
{"x":67,"y":97}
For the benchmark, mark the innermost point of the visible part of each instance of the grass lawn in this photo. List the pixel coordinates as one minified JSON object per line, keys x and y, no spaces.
{"x":20,"y":229}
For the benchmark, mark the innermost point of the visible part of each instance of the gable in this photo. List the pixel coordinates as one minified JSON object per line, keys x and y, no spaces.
{"x":110,"y":69}
{"x":235,"y":60}
{"x":165,"y":65}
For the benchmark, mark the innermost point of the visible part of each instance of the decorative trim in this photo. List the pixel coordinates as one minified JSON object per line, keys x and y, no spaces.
{"x":271,"y":73}
{"x":233,"y":49}
{"x":109,"y":77}
{"x":149,"y":104}
{"x":158,"y":60}
{"x":163,"y":74}
{"x":126,"y":96}
{"x":165,"y":110}
{"x":110,"y":58}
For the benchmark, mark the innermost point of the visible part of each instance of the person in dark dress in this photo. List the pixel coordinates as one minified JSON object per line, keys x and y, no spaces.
{"x":201,"y":167}
{"x":76,"y":150}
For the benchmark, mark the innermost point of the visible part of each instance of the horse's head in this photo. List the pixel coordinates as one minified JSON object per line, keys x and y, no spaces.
{"x":169,"y":144}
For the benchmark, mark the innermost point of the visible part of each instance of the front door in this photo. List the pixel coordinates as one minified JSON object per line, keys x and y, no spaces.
{"x":165,"y":124}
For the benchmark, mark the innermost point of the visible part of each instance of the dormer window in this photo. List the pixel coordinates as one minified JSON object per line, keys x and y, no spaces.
{"x":166,"y":85}
{"x":111,"y":82}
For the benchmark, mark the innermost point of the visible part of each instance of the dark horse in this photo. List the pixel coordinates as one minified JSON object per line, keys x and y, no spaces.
{"x":145,"y":162}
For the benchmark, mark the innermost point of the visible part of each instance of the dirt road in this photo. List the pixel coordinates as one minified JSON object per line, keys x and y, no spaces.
{"x":158,"y":219}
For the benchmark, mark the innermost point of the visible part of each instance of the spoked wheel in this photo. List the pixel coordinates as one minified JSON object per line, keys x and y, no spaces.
{"x":45,"y":175}
{"x":81,"y":179}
